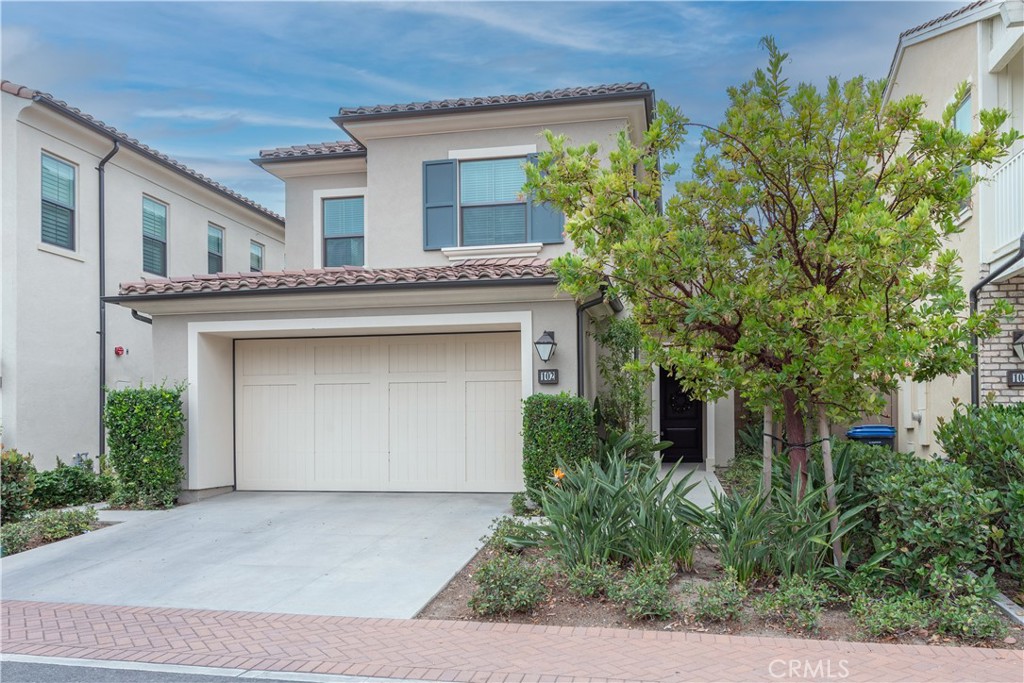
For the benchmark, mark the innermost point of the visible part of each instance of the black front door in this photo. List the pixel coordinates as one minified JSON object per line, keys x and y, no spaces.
{"x":681,"y":422}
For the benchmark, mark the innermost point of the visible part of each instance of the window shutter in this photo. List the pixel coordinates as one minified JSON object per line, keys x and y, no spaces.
{"x":439,"y":224}
{"x":546,"y":221}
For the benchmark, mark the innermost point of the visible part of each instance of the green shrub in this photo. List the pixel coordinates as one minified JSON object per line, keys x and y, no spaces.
{"x":927,"y":512}
{"x":896,"y":614}
{"x":789,"y":536}
{"x":15,"y":537}
{"x":796,"y":603}
{"x":17,"y":480}
{"x":590,"y":581}
{"x":990,"y":442}
{"x":619,"y":512}
{"x":45,"y":527}
{"x":69,"y":485}
{"x":899,"y":613}
{"x":506,"y":584}
{"x":645,"y":593}
{"x":623,"y":405}
{"x":720,"y":600}
{"x":556,"y":428}
{"x":509,"y":535}
{"x":145,"y":427}
{"x":521,"y":505}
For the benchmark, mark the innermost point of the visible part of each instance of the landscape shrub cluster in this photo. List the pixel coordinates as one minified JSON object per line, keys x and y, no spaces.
{"x":44,"y":526}
{"x":68,"y":485}
{"x":17,"y":481}
{"x":556,"y":428}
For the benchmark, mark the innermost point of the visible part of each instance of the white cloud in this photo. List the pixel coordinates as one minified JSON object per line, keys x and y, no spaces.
{"x":218,"y":115}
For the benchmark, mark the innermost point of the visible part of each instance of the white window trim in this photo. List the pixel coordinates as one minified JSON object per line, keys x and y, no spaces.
{"x":61,"y":251}
{"x":263,"y":255}
{"x":492,"y":152}
{"x":524,"y":250}
{"x":318,"y":220}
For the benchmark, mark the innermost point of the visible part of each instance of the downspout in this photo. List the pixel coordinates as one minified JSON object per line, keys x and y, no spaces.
{"x":103,"y":292}
{"x":580,"y":308}
{"x":975,"y":291}
{"x":141,"y":318}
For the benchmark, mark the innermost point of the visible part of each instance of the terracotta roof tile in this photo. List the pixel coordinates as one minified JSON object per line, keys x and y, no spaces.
{"x":944,"y":17}
{"x":30,"y":94}
{"x":493,"y":100}
{"x":339,"y":148}
{"x":469,"y":270}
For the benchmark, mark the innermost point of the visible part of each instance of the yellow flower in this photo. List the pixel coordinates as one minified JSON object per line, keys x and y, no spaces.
{"x":559,"y":474}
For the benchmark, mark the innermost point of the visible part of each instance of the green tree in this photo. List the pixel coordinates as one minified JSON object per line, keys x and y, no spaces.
{"x":804,"y":264}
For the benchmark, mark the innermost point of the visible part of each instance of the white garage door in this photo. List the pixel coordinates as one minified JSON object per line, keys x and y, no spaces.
{"x":405,"y":413}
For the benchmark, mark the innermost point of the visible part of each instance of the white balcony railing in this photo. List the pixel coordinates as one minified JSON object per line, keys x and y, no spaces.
{"x":1002,"y":214}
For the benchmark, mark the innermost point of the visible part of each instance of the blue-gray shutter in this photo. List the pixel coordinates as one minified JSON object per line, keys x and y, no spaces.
{"x":546,"y":222}
{"x":439,"y":210}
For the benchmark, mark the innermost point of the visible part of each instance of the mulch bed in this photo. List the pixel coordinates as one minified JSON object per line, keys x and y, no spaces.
{"x":565,"y":609}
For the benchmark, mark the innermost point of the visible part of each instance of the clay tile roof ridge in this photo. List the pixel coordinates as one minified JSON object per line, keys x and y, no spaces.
{"x":943,"y":18}
{"x":314,"y":149}
{"x":492,"y":100}
{"x":27,"y":93}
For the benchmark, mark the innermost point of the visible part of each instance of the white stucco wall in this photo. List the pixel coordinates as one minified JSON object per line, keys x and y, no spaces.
{"x":50,"y":296}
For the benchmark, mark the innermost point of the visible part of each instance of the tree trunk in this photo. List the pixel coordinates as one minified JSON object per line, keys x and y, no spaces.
{"x":830,"y":484}
{"x":768,"y":446}
{"x":796,"y":439}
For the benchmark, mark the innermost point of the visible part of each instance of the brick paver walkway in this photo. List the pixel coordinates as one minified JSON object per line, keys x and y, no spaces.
{"x":466,"y":651}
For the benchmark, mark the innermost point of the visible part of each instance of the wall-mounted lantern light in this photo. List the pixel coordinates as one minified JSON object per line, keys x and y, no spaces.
{"x":1018,"y":344}
{"x":545,"y":345}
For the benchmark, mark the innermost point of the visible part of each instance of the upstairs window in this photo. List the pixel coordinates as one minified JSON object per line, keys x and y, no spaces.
{"x":480,"y":203}
{"x":154,"y":237}
{"x":255,"y":257}
{"x":962,"y":123}
{"x":58,"y":193}
{"x":492,"y":204}
{"x":343,"y":232}
{"x":214,"y":249}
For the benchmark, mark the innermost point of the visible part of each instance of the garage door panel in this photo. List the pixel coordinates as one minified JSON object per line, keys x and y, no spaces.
{"x":402,"y":413}
{"x":493,"y":443}
{"x":492,"y":354}
{"x":345,"y":359}
{"x":272,"y":358}
{"x":423,"y":441}
{"x":429,"y":354}
{"x":273,"y":447}
{"x":349,"y":449}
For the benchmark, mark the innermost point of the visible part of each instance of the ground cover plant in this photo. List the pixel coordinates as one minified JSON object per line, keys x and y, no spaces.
{"x":45,"y":526}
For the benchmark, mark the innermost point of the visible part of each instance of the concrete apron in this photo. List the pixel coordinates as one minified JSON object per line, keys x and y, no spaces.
{"x":343,"y":554}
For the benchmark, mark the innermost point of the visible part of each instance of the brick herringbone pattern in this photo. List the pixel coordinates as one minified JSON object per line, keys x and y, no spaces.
{"x":467,"y":651}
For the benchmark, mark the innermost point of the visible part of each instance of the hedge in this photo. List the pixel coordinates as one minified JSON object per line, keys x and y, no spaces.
{"x":145,"y":426}
{"x":556,"y":429}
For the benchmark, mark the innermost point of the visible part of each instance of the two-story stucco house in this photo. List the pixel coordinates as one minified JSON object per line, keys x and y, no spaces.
{"x":983,"y":44}
{"x":396,"y":349}
{"x":85,"y":207}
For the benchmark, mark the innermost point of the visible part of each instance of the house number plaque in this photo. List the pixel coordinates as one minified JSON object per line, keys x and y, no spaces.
{"x":1014,"y":378}
{"x":547,"y":376}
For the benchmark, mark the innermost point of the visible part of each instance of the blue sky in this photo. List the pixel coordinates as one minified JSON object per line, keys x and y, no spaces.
{"x":212,"y":83}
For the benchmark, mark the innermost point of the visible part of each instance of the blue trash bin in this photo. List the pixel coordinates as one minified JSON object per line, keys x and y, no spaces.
{"x":874,"y":435}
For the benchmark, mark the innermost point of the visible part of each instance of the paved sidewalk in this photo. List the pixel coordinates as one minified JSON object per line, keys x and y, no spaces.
{"x":468,"y":651}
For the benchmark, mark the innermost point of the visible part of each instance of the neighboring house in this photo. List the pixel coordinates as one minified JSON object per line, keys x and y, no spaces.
{"x":983,"y":44}
{"x":396,"y":350}
{"x":151,"y":214}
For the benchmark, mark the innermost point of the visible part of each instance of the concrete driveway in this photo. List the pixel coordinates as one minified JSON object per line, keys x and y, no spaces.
{"x":345,"y":554}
